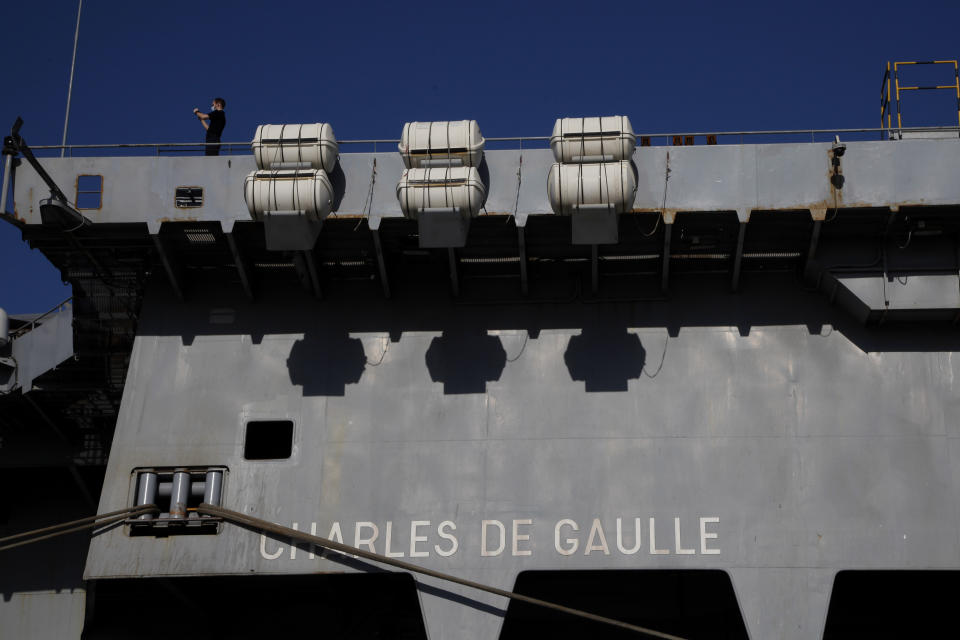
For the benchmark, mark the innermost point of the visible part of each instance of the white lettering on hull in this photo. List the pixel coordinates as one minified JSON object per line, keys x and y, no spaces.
{"x":570,"y":544}
{"x":637,"y":538}
{"x":704,"y":536}
{"x":484,"y":527}
{"x":449,"y":537}
{"x":519,"y":536}
{"x":387,"y":539}
{"x":414,"y":538}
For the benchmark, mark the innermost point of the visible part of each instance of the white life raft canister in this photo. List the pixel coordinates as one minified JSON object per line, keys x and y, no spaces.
{"x":606,"y":186}
{"x":441,"y":188}
{"x":435,"y":144}
{"x":305,"y":191}
{"x":295,"y":146}
{"x":591,"y":140}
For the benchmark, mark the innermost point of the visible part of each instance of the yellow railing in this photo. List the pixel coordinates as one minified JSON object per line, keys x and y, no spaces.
{"x":890,"y":100}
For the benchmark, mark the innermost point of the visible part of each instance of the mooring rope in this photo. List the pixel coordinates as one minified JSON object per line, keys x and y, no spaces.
{"x":90,"y":522}
{"x":104,"y":519}
{"x":324,"y":543}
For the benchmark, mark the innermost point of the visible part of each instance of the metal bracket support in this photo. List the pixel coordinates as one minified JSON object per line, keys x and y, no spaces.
{"x":241,"y":269}
{"x":594,"y":270}
{"x":381,"y":264}
{"x":454,"y":281}
{"x":665,"y":275}
{"x":522,"y":245}
{"x":738,"y":256}
{"x":812,"y":250}
{"x":8,"y":165}
{"x":168,"y":267}
{"x":314,"y":275}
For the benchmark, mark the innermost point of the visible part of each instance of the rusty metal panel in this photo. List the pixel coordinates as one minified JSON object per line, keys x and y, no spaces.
{"x":368,"y":192}
{"x":903,"y":172}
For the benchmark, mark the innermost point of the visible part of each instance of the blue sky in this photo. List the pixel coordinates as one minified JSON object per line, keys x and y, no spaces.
{"x":514,"y":66}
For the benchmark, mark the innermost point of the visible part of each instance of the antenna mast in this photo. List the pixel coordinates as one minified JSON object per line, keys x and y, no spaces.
{"x":73,"y":62}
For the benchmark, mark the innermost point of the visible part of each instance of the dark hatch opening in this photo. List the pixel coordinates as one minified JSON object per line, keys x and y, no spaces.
{"x":692,"y":604}
{"x":268,"y":440}
{"x":188,"y":197}
{"x":361,"y":606}
{"x":892,"y":604}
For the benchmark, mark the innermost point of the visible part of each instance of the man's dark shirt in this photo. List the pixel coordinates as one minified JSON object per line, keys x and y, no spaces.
{"x":218,"y":120}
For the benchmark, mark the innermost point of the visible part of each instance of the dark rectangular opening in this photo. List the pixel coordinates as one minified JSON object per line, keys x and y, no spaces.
{"x":268,"y":440}
{"x":691,"y":604}
{"x":355,"y":606}
{"x":892,"y":604}
{"x":188,"y":197}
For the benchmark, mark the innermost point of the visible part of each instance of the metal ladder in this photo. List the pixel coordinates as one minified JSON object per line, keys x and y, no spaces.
{"x":890,"y":101}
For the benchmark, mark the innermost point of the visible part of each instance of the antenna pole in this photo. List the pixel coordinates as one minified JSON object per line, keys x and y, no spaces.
{"x":73,"y":62}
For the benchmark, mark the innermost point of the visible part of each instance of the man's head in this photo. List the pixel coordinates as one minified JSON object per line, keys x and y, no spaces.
{"x":219,"y":103}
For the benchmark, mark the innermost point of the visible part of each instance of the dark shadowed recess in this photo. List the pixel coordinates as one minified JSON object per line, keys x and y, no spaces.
{"x":268,"y":440}
{"x":695,"y":300}
{"x":324,"y":361}
{"x":465,"y":360}
{"x":605,"y":358}
{"x":354,"y":606}
{"x":893,"y":604}
{"x":39,"y":497}
{"x":691,"y":604}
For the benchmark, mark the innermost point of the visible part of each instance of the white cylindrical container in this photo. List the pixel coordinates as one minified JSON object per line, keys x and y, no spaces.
{"x":4,"y":328}
{"x":279,"y":146}
{"x":602,"y":139}
{"x":305,"y":190}
{"x":591,"y":187}
{"x":433,"y":144}
{"x":441,"y":188}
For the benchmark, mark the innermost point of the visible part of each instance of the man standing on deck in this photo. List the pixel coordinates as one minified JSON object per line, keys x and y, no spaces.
{"x":213,"y":122}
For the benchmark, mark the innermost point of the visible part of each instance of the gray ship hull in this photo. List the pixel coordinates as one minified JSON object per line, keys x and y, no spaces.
{"x":490,"y":440}
{"x":715,"y":425}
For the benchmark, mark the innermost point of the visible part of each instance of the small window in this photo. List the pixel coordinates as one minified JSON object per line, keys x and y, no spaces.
{"x":268,"y":440}
{"x":89,"y":192}
{"x":188,"y":197}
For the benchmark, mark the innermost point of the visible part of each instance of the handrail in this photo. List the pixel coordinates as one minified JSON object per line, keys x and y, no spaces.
{"x":27,"y":328}
{"x":767,"y":132}
{"x":885,"y":103}
{"x":895,"y":98}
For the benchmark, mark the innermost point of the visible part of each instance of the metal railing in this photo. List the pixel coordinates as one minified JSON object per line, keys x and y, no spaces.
{"x":890,"y":99}
{"x":33,"y":324}
{"x":526,"y":142}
